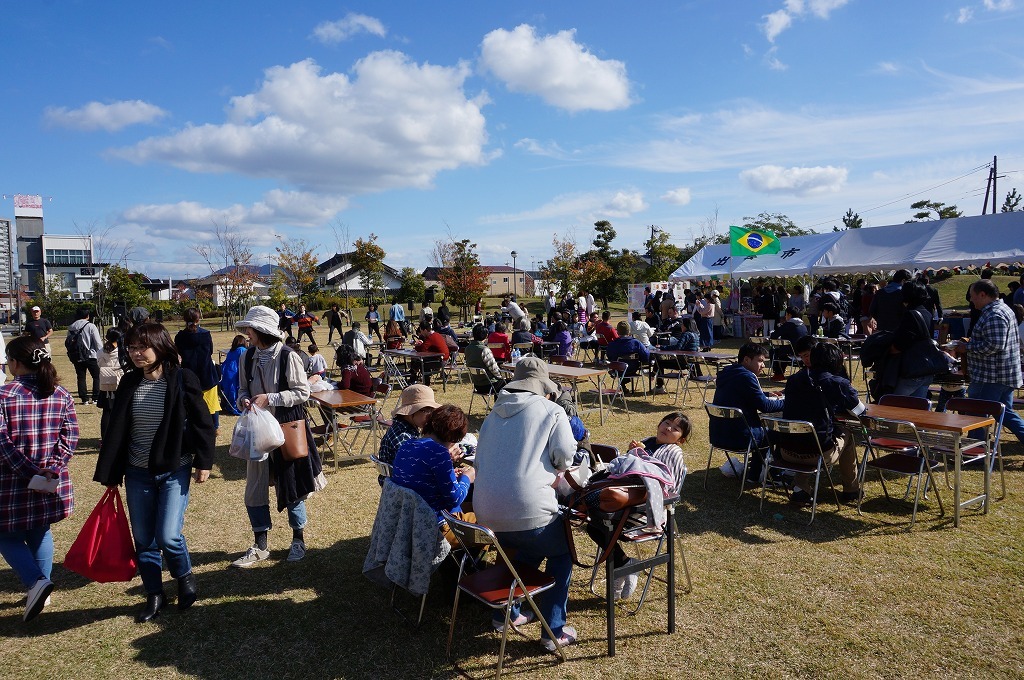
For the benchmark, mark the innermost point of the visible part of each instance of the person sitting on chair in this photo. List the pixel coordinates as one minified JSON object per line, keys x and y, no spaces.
{"x":815,"y":393}
{"x":354,"y":375}
{"x":737,"y":386}
{"x":629,"y":349}
{"x":523,"y":335}
{"x":499,"y":335}
{"x":478,"y":355}
{"x":429,"y":341}
{"x":407,"y":420}
{"x":358,"y":341}
{"x":834,"y":326}
{"x":792,"y":329}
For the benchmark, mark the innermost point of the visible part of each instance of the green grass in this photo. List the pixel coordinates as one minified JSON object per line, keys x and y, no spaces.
{"x":952,"y":290}
{"x":850,"y":595}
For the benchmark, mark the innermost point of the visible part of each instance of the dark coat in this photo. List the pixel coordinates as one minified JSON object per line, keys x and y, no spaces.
{"x":186,"y":418}
{"x":196,"y":350}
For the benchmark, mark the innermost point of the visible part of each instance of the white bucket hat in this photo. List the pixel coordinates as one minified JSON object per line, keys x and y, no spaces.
{"x":262,"y":319}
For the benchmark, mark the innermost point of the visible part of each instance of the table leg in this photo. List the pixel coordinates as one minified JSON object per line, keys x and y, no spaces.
{"x":334,"y":440}
{"x":988,"y":472}
{"x":670,"y":529}
{"x":609,"y":599}
{"x":957,"y":462}
{"x":600,"y":396}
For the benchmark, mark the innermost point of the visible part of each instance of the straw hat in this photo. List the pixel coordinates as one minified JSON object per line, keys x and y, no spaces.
{"x":414,"y":398}
{"x":532,"y":376}
{"x":262,"y":319}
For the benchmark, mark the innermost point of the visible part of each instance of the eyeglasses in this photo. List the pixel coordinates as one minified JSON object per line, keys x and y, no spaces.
{"x":136,"y":349}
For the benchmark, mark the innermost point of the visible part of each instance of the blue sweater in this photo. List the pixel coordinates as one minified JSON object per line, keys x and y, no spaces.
{"x":426,"y":467}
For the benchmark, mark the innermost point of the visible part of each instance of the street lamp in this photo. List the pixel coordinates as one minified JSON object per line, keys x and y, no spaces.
{"x":514,"y":254}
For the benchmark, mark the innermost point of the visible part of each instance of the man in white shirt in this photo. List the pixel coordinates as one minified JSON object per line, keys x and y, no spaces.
{"x":641,"y":330}
{"x":591,"y":303}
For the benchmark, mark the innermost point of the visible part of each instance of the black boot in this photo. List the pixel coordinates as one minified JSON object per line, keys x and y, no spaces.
{"x":187,"y":591}
{"x":154,"y":603}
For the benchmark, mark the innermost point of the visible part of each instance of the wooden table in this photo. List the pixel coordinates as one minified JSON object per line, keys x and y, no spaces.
{"x":346,"y":401}
{"x":954,"y":425}
{"x":710,"y":356}
{"x":576,"y":375}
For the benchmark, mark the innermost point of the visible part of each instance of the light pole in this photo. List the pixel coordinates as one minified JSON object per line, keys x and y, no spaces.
{"x":514,"y":254}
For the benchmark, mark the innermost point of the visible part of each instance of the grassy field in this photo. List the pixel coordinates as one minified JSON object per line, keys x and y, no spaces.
{"x":952,"y":290}
{"x":852,"y":596}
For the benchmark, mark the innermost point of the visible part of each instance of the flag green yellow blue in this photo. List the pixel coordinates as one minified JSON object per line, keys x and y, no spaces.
{"x":752,"y":241}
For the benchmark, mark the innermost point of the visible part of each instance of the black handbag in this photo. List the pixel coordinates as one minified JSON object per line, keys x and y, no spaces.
{"x":923,"y":358}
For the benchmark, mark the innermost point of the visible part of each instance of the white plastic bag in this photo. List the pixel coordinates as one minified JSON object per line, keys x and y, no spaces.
{"x":256,"y":434}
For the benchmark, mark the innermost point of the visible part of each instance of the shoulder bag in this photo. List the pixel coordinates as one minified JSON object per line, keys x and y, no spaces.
{"x":923,"y":357}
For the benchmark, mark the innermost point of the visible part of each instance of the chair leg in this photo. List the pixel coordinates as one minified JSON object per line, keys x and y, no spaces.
{"x":504,"y":633}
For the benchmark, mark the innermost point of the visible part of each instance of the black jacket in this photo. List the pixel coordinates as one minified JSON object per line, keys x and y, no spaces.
{"x":186,"y":417}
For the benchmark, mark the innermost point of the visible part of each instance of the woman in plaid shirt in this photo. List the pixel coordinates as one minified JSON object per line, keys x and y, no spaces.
{"x":38,"y":436}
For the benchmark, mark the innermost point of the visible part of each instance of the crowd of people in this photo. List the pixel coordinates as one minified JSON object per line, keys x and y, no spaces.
{"x":160,"y":402}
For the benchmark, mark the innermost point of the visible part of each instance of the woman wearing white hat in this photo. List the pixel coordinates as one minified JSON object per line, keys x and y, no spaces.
{"x":271,"y":376}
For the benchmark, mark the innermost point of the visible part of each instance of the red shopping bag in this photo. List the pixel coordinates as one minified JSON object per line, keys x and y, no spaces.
{"x":104,"y":550}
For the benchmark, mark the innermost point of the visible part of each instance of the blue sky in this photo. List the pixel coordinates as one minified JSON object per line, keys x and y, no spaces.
{"x":504,"y":123}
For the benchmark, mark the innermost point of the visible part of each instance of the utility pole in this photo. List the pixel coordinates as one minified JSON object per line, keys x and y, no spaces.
{"x":650,"y":252}
{"x":990,"y":187}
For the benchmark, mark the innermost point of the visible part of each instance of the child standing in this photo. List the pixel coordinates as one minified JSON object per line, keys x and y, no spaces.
{"x":317,"y":364}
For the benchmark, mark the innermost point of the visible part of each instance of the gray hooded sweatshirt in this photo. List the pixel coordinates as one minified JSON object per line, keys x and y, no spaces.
{"x":524,"y":442}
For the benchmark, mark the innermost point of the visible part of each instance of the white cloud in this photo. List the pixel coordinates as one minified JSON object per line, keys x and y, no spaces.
{"x":888,"y":67}
{"x":392,"y":124}
{"x":556,"y":68}
{"x":330,"y":32}
{"x":965,"y":15}
{"x":775,"y":23}
{"x":773,"y":61}
{"x":774,"y":179}
{"x":780,"y":20}
{"x":583,"y":206}
{"x":680,"y":196}
{"x":109,"y":117}
{"x":190,"y":220}
{"x":999,"y":5}
{"x":537,"y":148}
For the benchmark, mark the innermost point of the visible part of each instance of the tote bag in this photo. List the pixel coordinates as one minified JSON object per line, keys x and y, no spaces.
{"x":104,"y":551}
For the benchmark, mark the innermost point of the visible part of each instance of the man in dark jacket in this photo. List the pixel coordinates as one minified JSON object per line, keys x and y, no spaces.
{"x":737,"y":386}
{"x":792,"y":330}
{"x":887,"y":305}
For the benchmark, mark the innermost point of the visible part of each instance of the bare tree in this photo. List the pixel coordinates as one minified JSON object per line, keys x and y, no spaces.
{"x":344,"y":240}
{"x":230,"y":251}
{"x":107,"y":251}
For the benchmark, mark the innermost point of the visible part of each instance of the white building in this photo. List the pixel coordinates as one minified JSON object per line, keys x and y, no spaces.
{"x":71,"y":258}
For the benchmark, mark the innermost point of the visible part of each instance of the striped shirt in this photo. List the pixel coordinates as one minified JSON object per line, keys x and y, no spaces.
{"x":672,"y":456}
{"x":147,"y":413}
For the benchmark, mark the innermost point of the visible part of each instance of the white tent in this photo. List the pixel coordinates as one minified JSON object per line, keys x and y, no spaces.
{"x":961,"y":241}
{"x":798,"y":256}
{"x":997,"y":238}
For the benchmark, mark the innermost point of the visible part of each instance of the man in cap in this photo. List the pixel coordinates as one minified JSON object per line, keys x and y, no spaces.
{"x":524,"y":442}
{"x":39,"y":328}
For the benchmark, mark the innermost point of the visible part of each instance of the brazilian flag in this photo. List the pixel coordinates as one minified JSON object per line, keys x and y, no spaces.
{"x":752,"y":241}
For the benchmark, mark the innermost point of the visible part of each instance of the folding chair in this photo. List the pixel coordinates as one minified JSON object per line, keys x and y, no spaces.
{"x":604,"y":452}
{"x":737,"y":421}
{"x":909,"y":462}
{"x":975,"y":450}
{"x":364,"y":421}
{"x":672,"y":367}
{"x":456,"y":366}
{"x":383,"y":469}
{"x":433,"y":366}
{"x":900,"y":445}
{"x":393,"y":373}
{"x":618,"y":372}
{"x":797,"y":432}
{"x":499,"y":586}
{"x":782,"y":355}
{"x":558,"y":359}
{"x":699,"y":373}
{"x":486,"y":394}
{"x":524,"y":348}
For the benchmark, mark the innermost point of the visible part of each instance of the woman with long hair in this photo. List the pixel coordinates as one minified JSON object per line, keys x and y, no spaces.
{"x":393,"y":335}
{"x":159,"y":431}
{"x":354,"y":375}
{"x":110,"y":375}
{"x":229,"y":372}
{"x":195,"y":346}
{"x":273,"y":377}
{"x":38,"y":436}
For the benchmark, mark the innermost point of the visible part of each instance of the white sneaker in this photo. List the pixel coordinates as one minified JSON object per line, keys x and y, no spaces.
{"x":659,"y":390}
{"x":251,"y":557}
{"x":524,"y":618}
{"x":297,"y":551}
{"x":568,"y":637}
{"x":624,"y":586}
{"x":36,"y":599}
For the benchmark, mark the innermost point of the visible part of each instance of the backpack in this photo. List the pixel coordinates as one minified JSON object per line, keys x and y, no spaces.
{"x":73,"y":344}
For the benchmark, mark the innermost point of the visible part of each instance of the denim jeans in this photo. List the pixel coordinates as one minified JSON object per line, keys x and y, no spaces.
{"x":531,"y":548}
{"x":1004,"y":395}
{"x":29,"y":552}
{"x":156,"y":508}
{"x":913,"y":387}
{"x":259,"y":516}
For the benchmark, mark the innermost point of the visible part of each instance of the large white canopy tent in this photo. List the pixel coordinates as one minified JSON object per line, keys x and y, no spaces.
{"x":960,"y":241}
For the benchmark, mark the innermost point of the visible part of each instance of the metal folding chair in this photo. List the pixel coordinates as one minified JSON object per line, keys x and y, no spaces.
{"x":672,"y":367}
{"x":735,"y":420}
{"x":975,"y":450}
{"x":486,"y":394}
{"x":699,"y":372}
{"x":783,"y":355}
{"x":795,"y":431}
{"x":499,"y":586}
{"x":618,"y":371}
{"x":913,"y":461}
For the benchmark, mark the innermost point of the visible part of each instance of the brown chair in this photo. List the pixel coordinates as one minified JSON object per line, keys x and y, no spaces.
{"x":605,"y":453}
{"x":499,"y":586}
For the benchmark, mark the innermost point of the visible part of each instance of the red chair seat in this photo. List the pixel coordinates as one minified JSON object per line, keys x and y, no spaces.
{"x":886,"y":443}
{"x":897,"y":462}
{"x":492,"y":584}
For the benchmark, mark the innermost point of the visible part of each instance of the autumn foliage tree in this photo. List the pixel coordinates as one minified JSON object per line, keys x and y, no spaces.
{"x":460,"y":273}
{"x":298,"y":267}
{"x":368,"y":258}
{"x":230,"y":251}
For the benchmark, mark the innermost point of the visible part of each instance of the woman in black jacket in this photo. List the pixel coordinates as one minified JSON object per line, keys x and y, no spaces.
{"x":195,"y":347}
{"x":160,"y":429}
{"x":915,"y":329}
